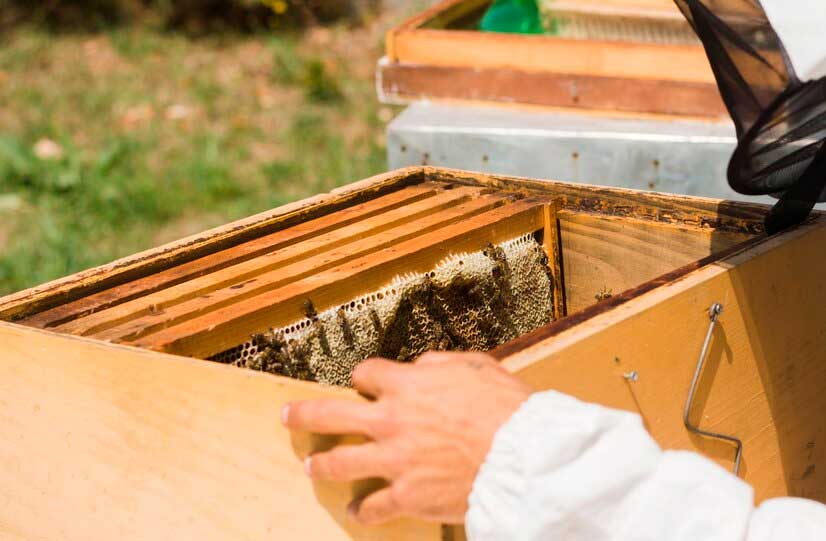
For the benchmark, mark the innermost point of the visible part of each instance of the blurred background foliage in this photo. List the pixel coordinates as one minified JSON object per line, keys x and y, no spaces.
{"x":125,"y":124}
{"x":194,"y":16}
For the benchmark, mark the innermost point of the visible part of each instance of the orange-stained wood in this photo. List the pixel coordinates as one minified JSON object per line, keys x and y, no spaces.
{"x":70,"y":288}
{"x":484,"y":50}
{"x":277,"y":262}
{"x":269,"y":283}
{"x":227,"y":327}
{"x":231,"y":256}
{"x":401,"y":83}
{"x":553,"y":251}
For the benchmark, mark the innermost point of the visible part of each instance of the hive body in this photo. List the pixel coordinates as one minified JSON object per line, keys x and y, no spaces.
{"x":183,"y":445}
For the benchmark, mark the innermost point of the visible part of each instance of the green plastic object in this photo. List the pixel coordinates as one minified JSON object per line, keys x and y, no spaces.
{"x":514,"y":16}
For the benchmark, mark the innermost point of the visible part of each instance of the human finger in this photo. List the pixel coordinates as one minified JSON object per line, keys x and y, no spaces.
{"x":351,"y":463}
{"x":375,"y":508}
{"x":375,"y":377}
{"x":329,"y":416}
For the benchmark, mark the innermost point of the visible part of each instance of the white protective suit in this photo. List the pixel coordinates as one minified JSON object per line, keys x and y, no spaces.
{"x":561,"y":469}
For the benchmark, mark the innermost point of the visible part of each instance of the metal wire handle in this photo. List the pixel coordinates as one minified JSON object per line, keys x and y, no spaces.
{"x":713,"y":313}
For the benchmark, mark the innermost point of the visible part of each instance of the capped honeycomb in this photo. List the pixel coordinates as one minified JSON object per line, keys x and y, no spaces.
{"x":468,"y":302}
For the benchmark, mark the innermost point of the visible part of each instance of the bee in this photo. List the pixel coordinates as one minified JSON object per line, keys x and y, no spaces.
{"x":603,"y":294}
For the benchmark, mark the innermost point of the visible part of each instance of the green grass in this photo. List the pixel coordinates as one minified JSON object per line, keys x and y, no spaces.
{"x":162,"y":137}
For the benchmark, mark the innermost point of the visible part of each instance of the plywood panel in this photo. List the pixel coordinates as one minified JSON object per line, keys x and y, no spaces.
{"x":107,"y":442}
{"x":605,"y":255}
{"x":765,"y":374}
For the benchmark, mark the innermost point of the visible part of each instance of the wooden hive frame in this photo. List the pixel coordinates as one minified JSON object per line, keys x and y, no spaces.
{"x":426,"y":57}
{"x":184,"y":447}
{"x":212,"y":304}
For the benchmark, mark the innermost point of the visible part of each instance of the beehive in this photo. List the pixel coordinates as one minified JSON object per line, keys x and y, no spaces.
{"x":626,"y":56}
{"x":114,"y":424}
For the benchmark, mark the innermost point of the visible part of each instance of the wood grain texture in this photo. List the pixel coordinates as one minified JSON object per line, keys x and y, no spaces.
{"x":106,"y":442}
{"x":553,"y":250}
{"x":764,"y":377}
{"x":227,"y":327}
{"x":488,"y":50}
{"x":716,"y":214}
{"x":278,"y":285}
{"x":422,"y":40}
{"x":400,"y":82}
{"x":701,"y":212}
{"x":279,"y":240}
{"x":605,"y":255}
{"x":292,"y":261}
{"x":63,"y":290}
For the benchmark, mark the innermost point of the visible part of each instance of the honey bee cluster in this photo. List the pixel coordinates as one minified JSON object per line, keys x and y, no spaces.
{"x":469,"y":302}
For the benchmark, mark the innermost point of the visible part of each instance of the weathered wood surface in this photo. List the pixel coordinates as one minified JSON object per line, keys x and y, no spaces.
{"x":101,"y":441}
{"x":219,"y":330}
{"x":765,"y":376}
{"x":606,"y":255}
{"x":423,"y":40}
{"x":62,"y":299}
{"x":70,"y":288}
{"x":720,"y":215}
{"x":289,"y":237}
{"x":281,"y":284}
{"x":291,"y":262}
{"x":490,"y":50}
{"x":401,"y":82}
{"x":552,"y":245}
{"x":432,"y":56}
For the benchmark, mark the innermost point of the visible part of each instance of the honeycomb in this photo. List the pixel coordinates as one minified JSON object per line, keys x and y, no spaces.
{"x":468,"y":302}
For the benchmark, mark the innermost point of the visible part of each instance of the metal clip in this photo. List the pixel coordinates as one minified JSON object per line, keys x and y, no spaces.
{"x":713,"y":313}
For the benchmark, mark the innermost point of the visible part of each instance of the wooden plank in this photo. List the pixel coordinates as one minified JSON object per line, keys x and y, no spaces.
{"x":275,"y":262}
{"x":406,"y":82}
{"x":553,"y":250}
{"x":714,"y":214}
{"x":486,"y":50}
{"x":285,"y":276}
{"x":102,"y":441}
{"x":43,"y":297}
{"x":764,"y":376}
{"x":654,"y":9}
{"x":604,"y":256}
{"x":237,"y":254}
{"x":217,"y":331}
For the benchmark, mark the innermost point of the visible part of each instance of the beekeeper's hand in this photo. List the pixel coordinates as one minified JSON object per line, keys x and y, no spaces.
{"x":430,"y":423}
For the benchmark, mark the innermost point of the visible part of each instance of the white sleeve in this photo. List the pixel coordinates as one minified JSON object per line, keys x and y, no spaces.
{"x":562,"y":469}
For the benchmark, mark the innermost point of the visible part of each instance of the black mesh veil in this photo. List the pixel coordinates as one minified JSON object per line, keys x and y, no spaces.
{"x":780,"y":121}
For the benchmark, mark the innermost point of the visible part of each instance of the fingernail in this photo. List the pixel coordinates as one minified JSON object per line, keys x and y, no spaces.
{"x":308,"y":464}
{"x":285,"y":412}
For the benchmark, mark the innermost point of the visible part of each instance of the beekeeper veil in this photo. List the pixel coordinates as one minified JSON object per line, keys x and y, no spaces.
{"x":780,"y":117}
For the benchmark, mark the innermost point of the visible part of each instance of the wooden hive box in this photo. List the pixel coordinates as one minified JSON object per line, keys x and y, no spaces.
{"x":112,"y":425}
{"x":440,"y":55}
